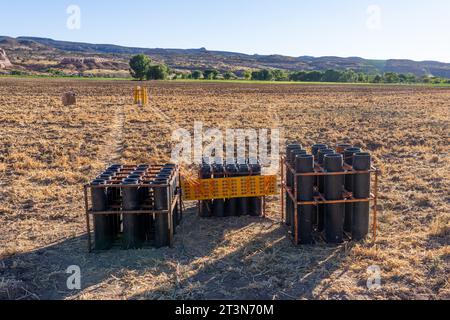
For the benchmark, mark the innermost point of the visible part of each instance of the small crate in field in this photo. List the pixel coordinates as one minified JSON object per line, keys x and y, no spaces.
{"x":69,"y":99}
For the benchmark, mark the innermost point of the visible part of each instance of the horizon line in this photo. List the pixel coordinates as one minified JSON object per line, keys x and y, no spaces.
{"x":219,"y":50}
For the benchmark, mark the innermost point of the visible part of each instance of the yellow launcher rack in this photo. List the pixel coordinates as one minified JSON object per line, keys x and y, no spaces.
{"x":140,"y":95}
{"x":228,"y":188}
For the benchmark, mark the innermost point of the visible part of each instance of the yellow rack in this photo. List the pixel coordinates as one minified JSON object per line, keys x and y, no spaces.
{"x":228,"y":188}
{"x":140,"y":96}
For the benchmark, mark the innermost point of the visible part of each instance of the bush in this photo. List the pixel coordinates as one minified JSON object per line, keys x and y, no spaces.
{"x":331,"y":76}
{"x":229,"y":76}
{"x":247,"y":74}
{"x":197,"y":75}
{"x":18,"y":73}
{"x":157,"y":72}
{"x":56,"y":72}
{"x":210,"y":74}
{"x":263,"y":75}
{"x":279,"y":75}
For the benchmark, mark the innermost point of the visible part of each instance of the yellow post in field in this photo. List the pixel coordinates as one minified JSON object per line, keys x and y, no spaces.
{"x":140,"y":96}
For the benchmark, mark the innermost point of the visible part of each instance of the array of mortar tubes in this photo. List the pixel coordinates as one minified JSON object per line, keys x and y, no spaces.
{"x":332,"y":219}
{"x":134,"y":189}
{"x":230,"y":169}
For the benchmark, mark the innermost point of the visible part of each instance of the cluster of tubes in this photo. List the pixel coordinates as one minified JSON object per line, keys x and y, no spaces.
{"x":230,"y":169}
{"x":332,"y":219}
{"x":133,"y":188}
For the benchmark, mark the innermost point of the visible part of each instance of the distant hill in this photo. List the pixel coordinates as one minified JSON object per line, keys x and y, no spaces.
{"x":41,"y":54}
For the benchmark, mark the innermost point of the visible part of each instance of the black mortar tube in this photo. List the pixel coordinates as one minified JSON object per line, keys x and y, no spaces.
{"x":289,"y":181}
{"x":255,"y":202}
{"x":292,"y":158}
{"x":206,"y":205}
{"x":243,"y":203}
{"x":167,"y":173}
{"x":315,"y":149}
{"x":361,"y":190}
{"x":305,"y":192}
{"x":115,"y":167}
{"x":175,"y":190}
{"x":321,"y":188}
{"x":218,"y":204}
{"x":114,"y":197}
{"x":161,"y":194}
{"x":341,"y":147}
{"x":231,"y":205}
{"x":348,"y":155}
{"x":315,"y":152}
{"x":133,"y":232}
{"x":334,"y":213}
{"x":114,"y":219}
{"x":102,"y":223}
{"x":348,"y":159}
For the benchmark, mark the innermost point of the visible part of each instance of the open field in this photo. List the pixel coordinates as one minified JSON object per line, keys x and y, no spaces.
{"x":47,"y":152}
{"x":235,"y":81}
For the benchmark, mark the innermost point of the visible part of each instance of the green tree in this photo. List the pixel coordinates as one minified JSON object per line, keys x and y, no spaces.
{"x":362,"y":77}
{"x":247,"y":74}
{"x":157,"y":72}
{"x":391,"y":77}
{"x":139,"y":66}
{"x":297,"y":76}
{"x":56,"y":72}
{"x":331,"y":76}
{"x":279,"y":75}
{"x":411,"y":78}
{"x":229,"y":75}
{"x":197,"y":75}
{"x":263,"y":75}
{"x":348,"y":76}
{"x":185,"y":75}
{"x":377,"y":79}
{"x":313,"y":76}
{"x":210,"y":74}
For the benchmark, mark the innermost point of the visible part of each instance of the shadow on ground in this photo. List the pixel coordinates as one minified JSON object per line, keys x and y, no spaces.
{"x":232,"y":258}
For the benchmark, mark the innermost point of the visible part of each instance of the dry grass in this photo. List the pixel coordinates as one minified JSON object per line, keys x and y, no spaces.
{"x":48,"y":151}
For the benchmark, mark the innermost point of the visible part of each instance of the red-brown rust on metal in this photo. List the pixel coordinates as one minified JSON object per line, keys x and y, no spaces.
{"x":86,"y":204}
{"x":375,"y":204}
{"x":295,"y":212}
{"x":348,"y":197}
{"x":176,"y":199}
{"x":282,"y":182}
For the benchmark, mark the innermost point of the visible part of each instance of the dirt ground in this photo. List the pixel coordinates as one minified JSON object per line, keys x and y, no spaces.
{"x":47,"y":152}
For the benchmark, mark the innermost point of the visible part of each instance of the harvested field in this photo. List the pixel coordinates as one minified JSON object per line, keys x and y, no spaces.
{"x":47,"y":152}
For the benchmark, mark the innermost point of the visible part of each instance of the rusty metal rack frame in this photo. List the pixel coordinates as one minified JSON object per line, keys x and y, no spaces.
{"x":199,"y":208}
{"x":228,"y":175}
{"x":173,"y":200}
{"x":320,"y":198}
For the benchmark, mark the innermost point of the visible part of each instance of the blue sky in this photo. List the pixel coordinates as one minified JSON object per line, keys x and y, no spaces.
{"x":377,"y":29}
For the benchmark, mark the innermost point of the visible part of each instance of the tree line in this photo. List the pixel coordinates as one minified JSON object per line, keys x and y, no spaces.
{"x":142,"y":68}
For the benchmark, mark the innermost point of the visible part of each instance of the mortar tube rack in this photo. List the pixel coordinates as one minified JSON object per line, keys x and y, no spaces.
{"x":320,"y":199}
{"x":228,"y":175}
{"x":172,"y":202}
